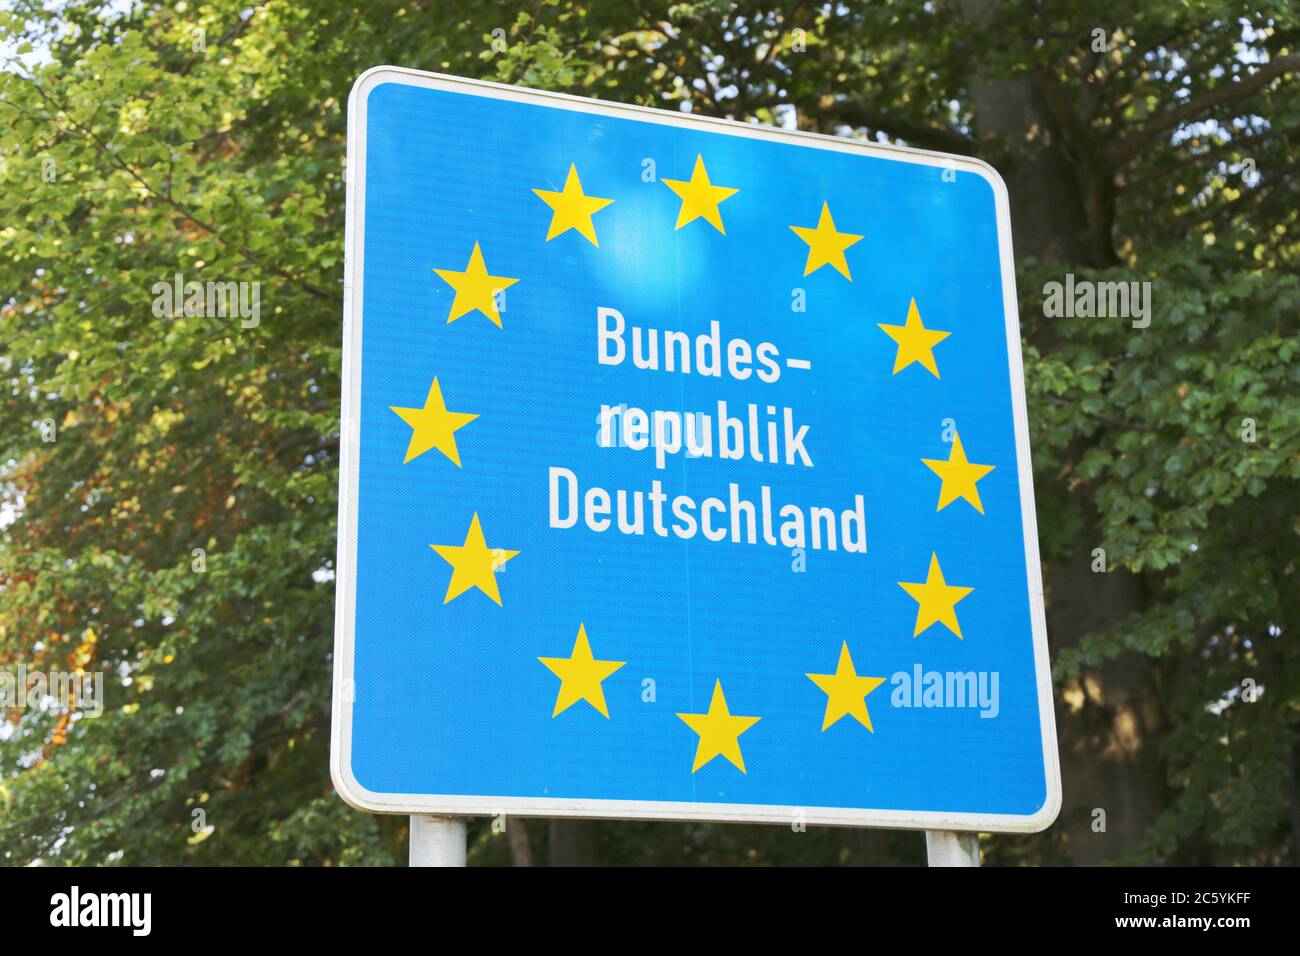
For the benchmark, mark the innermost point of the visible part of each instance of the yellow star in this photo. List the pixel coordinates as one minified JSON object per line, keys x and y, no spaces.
{"x":580,"y":676}
{"x":473,"y":564}
{"x":825,"y":245}
{"x":700,"y":197}
{"x":915,"y":341}
{"x":719,"y":732}
{"x":846,"y":692}
{"x":936,"y":599}
{"x":475,"y":288}
{"x":432,"y":426}
{"x":572,"y":209}
{"x":959,"y":477}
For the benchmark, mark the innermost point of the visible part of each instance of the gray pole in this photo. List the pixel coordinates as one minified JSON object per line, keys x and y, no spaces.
{"x":437,"y":841}
{"x":950,"y":848}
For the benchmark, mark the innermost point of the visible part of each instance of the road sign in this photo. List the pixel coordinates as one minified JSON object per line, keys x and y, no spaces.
{"x":685,"y":473}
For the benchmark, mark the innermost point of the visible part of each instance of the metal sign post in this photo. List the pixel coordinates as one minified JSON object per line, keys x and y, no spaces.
{"x":689,"y":480}
{"x":952,"y":848}
{"x":437,"y":841}
{"x":440,"y":841}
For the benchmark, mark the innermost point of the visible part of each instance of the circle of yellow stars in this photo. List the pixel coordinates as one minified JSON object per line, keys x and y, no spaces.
{"x":474,"y":564}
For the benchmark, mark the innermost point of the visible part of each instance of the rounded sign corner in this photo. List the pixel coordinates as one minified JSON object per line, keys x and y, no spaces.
{"x":1051,"y":808}
{"x":989,"y":173}
{"x":371,"y":79}
{"x":350,"y":790}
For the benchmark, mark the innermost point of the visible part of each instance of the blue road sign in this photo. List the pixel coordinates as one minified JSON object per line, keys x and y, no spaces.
{"x":685,"y":473}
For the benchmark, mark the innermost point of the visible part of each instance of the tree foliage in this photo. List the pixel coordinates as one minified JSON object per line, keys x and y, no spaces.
{"x":207,"y":139}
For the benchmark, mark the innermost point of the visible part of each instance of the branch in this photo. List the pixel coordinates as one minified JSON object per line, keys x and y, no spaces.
{"x":1243,"y":144}
{"x":854,"y":113}
{"x":1246,"y":198}
{"x":126,"y":167}
{"x":1128,"y":148}
{"x":1072,"y":128}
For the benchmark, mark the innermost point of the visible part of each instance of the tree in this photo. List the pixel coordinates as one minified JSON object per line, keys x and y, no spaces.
{"x":1152,"y":144}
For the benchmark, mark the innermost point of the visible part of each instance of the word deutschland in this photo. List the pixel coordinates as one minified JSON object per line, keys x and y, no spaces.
{"x":735,"y":518}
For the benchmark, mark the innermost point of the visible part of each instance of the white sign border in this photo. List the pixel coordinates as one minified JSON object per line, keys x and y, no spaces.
{"x":345,"y":567}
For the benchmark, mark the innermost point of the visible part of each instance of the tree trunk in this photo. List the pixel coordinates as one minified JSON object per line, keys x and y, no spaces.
{"x":521,"y":853}
{"x":867,"y":847}
{"x":573,"y":843}
{"x":1014,"y":125}
{"x":1105,"y":719}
